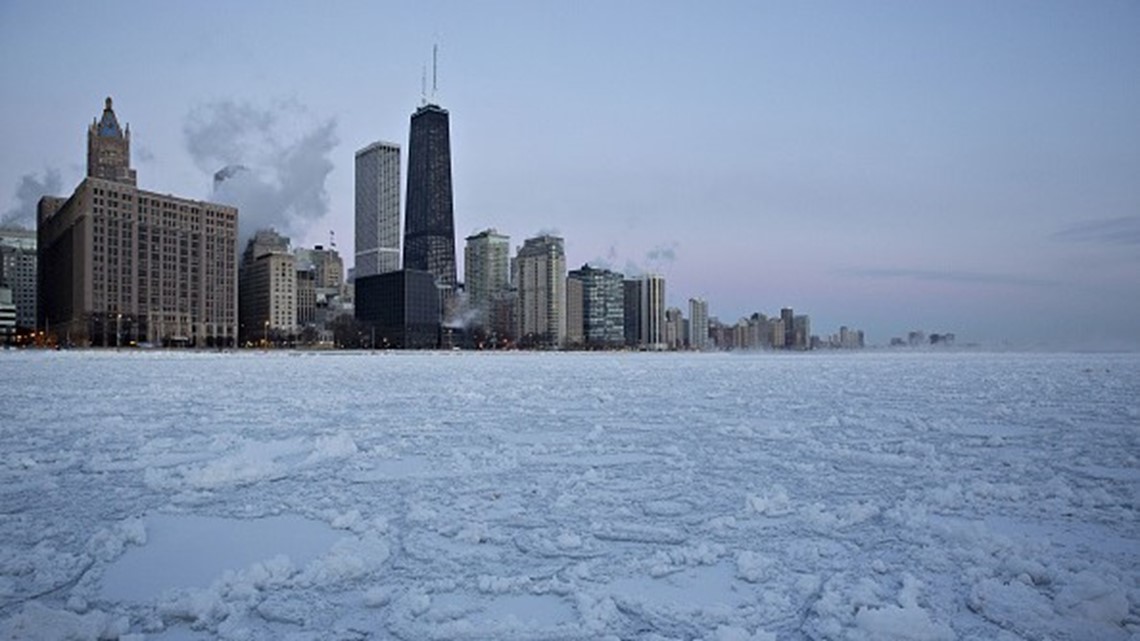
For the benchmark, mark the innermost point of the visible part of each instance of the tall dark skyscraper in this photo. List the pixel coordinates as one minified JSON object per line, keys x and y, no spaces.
{"x":429,"y":222}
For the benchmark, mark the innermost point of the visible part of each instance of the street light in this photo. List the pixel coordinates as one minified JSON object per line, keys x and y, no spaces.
{"x":118,"y":329}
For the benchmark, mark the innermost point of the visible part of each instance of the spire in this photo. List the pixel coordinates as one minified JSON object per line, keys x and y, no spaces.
{"x":109,"y":124}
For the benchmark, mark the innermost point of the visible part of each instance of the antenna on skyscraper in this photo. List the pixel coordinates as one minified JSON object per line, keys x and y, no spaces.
{"x":423,"y":85}
{"x":434,"y":57}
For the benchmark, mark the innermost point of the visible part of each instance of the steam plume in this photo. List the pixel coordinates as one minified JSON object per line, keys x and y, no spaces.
{"x":272,"y":170}
{"x":28,"y":193}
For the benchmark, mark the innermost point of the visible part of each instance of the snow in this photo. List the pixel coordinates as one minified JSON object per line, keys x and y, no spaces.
{"x":182,"y":496}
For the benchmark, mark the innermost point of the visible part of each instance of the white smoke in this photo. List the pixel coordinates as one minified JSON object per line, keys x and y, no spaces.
{"x":28,"y":193}
{"x":274,"y":163}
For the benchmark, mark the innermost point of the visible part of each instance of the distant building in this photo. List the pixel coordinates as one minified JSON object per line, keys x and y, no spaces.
{"x":400,"y":309}
{"x":787,"y":316}
{"x":631,"y":304}
{"x":541,"y":283}
{"x":117,"y":264}
{"x":575,"y":325}
{"x":801,"y":333}
{"x":18,"y":272}
{"x":652,"y":334}
{"x":600,"y":296}
{"x":267,"y":291}
{"x":429,"y":224}
{"x":7,"y":316}
{"x":486,"y":272}
{"x":777,"y":333}
{"x":306,"y":297}
{"x":698,"y":324}
{"x":674,"y":329}
{"x":377,"y":221}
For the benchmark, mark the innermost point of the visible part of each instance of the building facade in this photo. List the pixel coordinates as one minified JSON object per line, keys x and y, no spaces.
{"x":429,"y":225}
{"x":698,"y":324}
{"x":652,"y":335}
{"x":575,"y":323}
{"x":267,"y":290}
{"x":631,"y":305}
{"x":377,"y":221}
{"x":118,"y":264}
{"x":7,"y":316}
{"x":674,"y":329}
{"x":601,"y":297}
{"x":486,"y":271}
{"x":541,"y":282}
{"x":399,"y":310}
{"x":18,"y":272}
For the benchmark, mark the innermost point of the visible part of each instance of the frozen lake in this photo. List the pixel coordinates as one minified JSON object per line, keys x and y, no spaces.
{"x":176,"y":496}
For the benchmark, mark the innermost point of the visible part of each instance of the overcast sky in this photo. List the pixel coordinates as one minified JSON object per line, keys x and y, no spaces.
{"x":971,"y":167}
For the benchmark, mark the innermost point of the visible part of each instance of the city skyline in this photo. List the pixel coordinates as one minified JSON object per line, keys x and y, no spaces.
{"x":964,"y":168}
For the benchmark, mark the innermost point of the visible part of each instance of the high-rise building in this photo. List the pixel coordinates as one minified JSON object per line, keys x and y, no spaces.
{"x":429,"y":225}
{"x":486,"y":271}
{"x":118,"y":264}
{"x":674,"y":324}
{"x":788,"y":318}
{"x":801,"y":332}
{"x":18,"y":272}
{"x":631,"y":306}
{"x":267,"y":289}
{"x":7,"y":316}
{"x":653,"y":312}
{"x":575,"y":326}
{"x":378,"y":209}
{"x":541,"y":281}
{"x":601,"y":298}
{"x":698,"y":324}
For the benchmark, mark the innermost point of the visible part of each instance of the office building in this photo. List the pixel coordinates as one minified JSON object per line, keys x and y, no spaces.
{"x":429,"y":226}
{"x":377,"y":209}
{"x":118,"y":264}
{"x":698,"y":337}
{"x":267,"y":291}
{"x":18,"y":272}
{"x":7,"y":316}
{"x":674,"y":329}
{"x":575,"y":328}
{"x":601,"y":298}
{"x":801,"y":333}
{"x":399,"y":310}
{"x":652,"y":335}
{"x":541,"y":282}
{"x":787,"y":316}
{"x":486,"y":272}
{"x":631,"y":307}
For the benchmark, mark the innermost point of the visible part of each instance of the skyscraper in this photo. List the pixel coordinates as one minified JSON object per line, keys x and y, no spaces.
{"x":486,"y":270}
{"x":18,"y":272}
{"x":118,"y":264}
{"x":698,"y":324}
{"x":600,"y":297}
{"x":631,"y":290}
{"x":429,"y":225}
{"x":378,"y":209}
{"x":541,"y":280}
{"x":653,"y":312}
{"x":788,"y":317}
{"x":267,"y":289}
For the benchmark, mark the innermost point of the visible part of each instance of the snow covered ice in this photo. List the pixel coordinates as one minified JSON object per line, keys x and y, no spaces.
{"x":181,"y":496}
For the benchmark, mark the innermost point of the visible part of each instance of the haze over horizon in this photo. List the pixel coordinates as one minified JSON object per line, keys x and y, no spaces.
{"x":966,"y":167}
